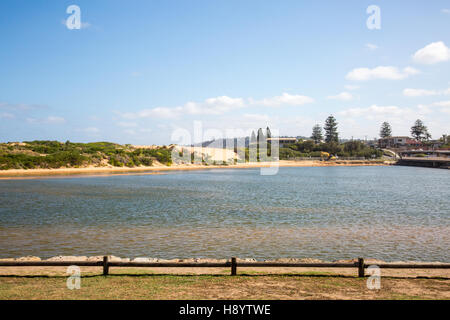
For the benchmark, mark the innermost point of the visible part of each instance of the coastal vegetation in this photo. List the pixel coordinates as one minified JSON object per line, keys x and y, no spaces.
{"x":306,"y":149}
{"x":43,"y":154}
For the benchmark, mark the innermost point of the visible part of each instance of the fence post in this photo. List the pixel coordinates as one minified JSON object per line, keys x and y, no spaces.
{"x":361,"y":267}
{"x":105,"y":265}
{"x":233,"y":266}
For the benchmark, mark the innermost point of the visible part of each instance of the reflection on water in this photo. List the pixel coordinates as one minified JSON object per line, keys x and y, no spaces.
{"x":389,"y":213}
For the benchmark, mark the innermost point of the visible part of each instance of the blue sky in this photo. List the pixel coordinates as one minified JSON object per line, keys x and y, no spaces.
{"x":138,"y":70}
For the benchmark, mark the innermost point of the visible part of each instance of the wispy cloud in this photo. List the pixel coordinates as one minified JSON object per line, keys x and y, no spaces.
{"x":7,"y":115}
{"x":90,"y":130}
{"x":84,"y":25}
{"x":47,"y":120}
{"x":285,"y":99}
{"x":343,"y":96}
{"x":351,"y":87}
{"x":381,"y":72}
{"x":375,"y":112}
{"x":127,"y":124}
{"x":371,"y":46}
{"x":216,"y":106}
{"x":21,"y":106}
{"x":409,"y":92}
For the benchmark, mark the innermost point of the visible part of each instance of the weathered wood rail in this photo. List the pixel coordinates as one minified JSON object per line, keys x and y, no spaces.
{"x":233,"y":264}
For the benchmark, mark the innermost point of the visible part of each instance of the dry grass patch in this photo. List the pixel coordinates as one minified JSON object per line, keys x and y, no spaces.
{"x":199,"y":287}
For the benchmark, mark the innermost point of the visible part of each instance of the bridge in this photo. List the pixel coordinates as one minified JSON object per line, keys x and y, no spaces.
{"x":433,"y":162}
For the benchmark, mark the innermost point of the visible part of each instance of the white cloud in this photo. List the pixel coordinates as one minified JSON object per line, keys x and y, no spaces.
{"x":211,"y":106}
{"x":343,"y":96}
{"x":367,"y":120}
{"x":375,"y":111}
{"x":433,"y":53}
{"x":351,"y":87}
{"x":48,"y":120}
{"x":423,"y":92}
{"x":447,"y":11}
{"x":371,"y":46}
{"x":285,"y":99}
{"x":256,"y":117}
{"x":55,"y":119}
{"x":381,"y":72}
{"x":216,"y":106}
{"x":442,"y":103}
{"x":418,"y":92}
{"x":443,"y":106}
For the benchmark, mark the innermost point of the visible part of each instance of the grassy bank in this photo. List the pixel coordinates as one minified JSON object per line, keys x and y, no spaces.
{"x":69,"y":155}
{"x":307,"y":286}
{"x":54,"y":154}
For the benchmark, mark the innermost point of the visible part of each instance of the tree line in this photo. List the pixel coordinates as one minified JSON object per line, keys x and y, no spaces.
{"x":418,"y":131}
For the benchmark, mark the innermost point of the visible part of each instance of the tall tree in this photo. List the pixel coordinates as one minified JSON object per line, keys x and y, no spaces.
{"x":331,"y":133}
{"x":253,"y":137}
{"x":260,"y":139}
{"x":260,"y":135}
{"x":419,"y":131}
{"x":317,"y":134}
{"x":386,"y":130}
{"x":268,"y":133}
{"x":269,"y":146}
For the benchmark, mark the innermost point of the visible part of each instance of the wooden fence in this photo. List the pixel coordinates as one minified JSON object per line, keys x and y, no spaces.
{"x":233,"y":264}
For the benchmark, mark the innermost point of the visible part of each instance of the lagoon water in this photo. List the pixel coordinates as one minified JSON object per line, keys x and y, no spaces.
{"x":329,"y":213}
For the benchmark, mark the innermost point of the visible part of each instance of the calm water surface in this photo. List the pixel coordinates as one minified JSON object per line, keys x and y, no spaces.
{"x":390,"y":213}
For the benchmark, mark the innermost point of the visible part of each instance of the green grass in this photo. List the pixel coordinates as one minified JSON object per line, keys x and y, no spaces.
{"x":149,"y":286}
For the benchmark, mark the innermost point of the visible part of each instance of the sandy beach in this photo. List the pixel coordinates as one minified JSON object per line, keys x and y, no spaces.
{"x":158,"y":169}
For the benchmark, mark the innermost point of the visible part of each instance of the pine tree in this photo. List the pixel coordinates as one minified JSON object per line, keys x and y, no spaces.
{"x":331,"y":133}
{"x":269,"y":146}
{"x":317,"y":134}
{"x":419,"y":131}
{"x":386,"y":130}
{"x":253,"y":138}
{"x":260,"y":136}
{"x":268,"y":133}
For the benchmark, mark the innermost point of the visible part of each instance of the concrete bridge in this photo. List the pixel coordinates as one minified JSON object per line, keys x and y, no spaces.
{"x":433,"y":162}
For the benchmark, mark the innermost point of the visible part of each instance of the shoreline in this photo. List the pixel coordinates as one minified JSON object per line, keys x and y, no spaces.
{"x":113,"y":258}
{"x":274,"y":270}
{"x":105,"y":171}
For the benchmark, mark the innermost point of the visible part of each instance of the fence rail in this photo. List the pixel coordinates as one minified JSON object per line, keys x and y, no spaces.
{"x":106,"y":264}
